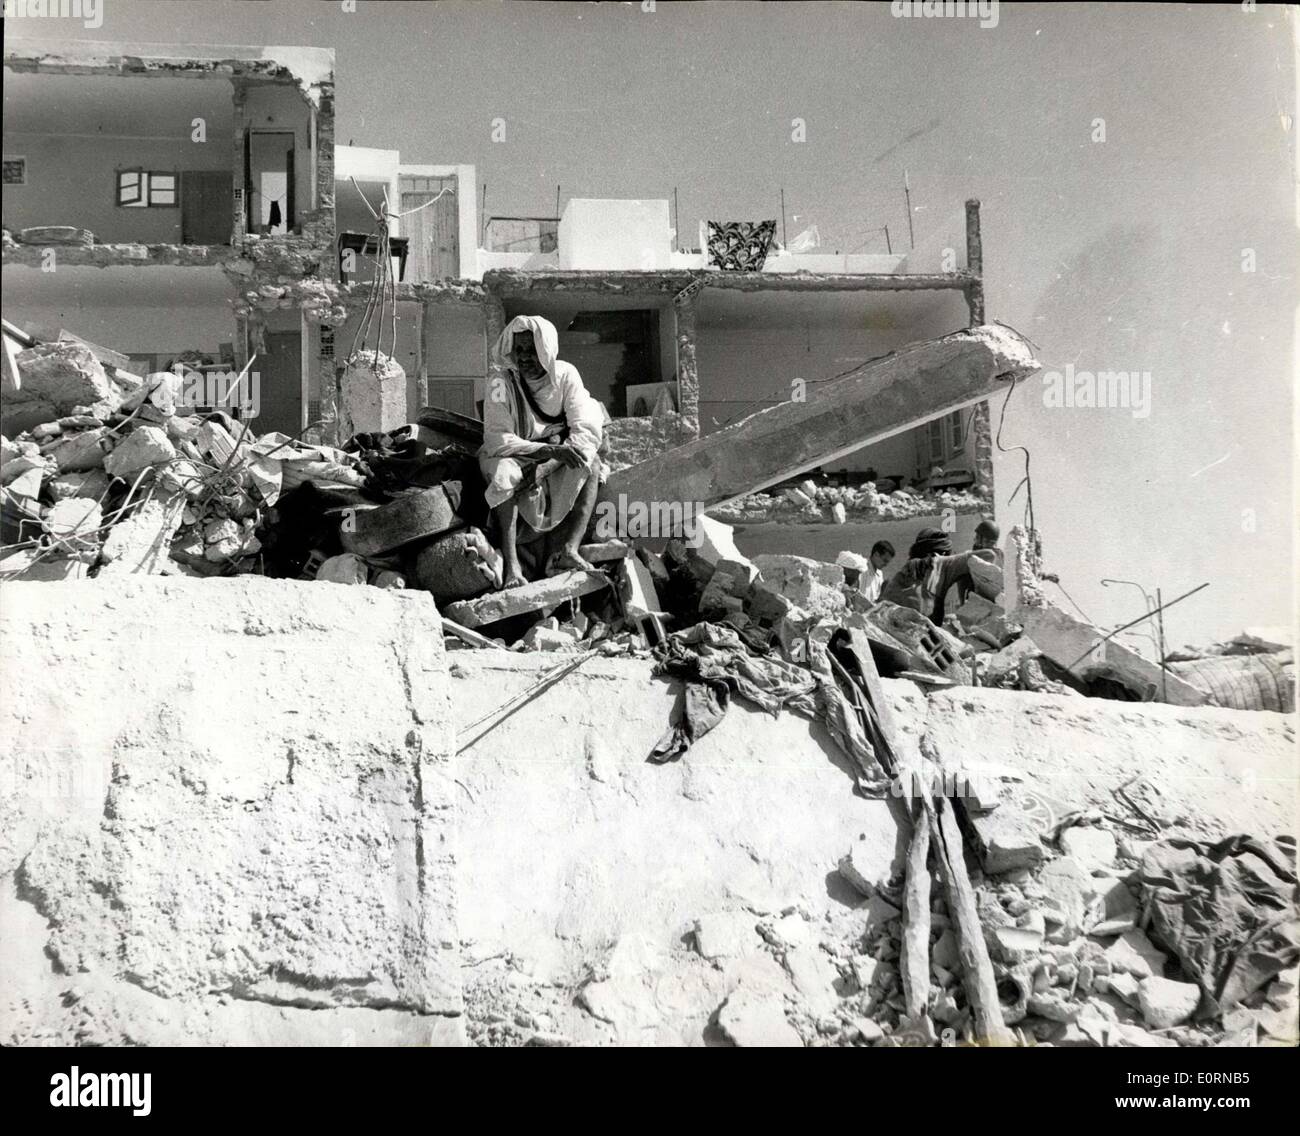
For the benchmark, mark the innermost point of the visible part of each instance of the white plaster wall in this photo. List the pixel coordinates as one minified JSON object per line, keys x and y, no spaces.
{"x":750,"y":347}
{"x":144,"y":309}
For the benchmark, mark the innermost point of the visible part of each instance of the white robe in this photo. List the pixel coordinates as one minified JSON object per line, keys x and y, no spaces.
{"x":512,"y":433}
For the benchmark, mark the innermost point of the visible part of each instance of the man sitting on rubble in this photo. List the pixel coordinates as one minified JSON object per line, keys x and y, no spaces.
{"x":931,"y":569}
{"x":542,"y":434}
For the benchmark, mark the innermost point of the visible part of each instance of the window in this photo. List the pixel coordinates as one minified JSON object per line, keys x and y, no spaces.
{"x":957,"y":428}
{"x":139,"y":189}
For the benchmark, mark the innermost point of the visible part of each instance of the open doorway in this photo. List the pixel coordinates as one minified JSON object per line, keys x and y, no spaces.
{"x":268,"y":186}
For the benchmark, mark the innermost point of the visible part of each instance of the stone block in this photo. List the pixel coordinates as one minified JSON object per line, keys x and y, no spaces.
{"x":1165,"y":1003}
{"x":145,"y":446}
{"x":141,"y":542}
{"x":65,"y":374}
{"x":297,"y":861}
{"x":77,"y":452}
{"x":537,"y":596}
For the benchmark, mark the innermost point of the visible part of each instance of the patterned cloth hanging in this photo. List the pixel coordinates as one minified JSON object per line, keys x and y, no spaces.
{"x":740,"y":246}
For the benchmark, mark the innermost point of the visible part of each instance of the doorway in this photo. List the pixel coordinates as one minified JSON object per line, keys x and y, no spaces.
{"x":207,"y":207}
{"x":280,"y":371}
{"x":269,"y":182}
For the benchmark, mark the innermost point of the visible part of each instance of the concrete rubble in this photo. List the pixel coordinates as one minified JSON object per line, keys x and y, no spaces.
{"x":795,"y":935}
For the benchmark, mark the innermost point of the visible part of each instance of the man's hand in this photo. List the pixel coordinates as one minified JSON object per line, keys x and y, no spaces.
{"x":566,"y":455}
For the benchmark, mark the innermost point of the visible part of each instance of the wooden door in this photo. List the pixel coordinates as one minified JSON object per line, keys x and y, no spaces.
{"x":433,"y":233}
{"x":207,"y":207}
{"x":453,"y":394}
{"x":280,"y":375}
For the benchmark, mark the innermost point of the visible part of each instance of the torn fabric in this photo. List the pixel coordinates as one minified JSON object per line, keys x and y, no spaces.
{"x":1229,"y":910}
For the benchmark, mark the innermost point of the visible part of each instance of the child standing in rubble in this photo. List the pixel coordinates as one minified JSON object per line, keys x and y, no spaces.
{"x":542,"y":433}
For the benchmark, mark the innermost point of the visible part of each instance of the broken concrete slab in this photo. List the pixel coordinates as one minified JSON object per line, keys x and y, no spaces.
{"x":717,"y":543}
{"x":145,"y":446}
{"x":726,"y":934}
{"x":299,"y":859}
{"x":636,"y":589}
{"x":814,"y":977}
{"x":887,"y":396}
{"x":604,"y":551}
{"x":1077,"y":646}
{"x":1135,"y":954}
{"x":537,"y":596}
{"x":77,"y":452}
{"x":66,"y":374}
{"x":1066,"y":889}
{"x":752,"y":1018}
{"x":92,"y":483}
{"x":29,"y":565}
{"x":1091,"y":847}
{"x":808,"y":584}
{"x":142,"y":542}
{"x":73,"y":523}
{"x":1009,"y":839}
{"x":1166,"y":1003}
{"x":412,"y":517}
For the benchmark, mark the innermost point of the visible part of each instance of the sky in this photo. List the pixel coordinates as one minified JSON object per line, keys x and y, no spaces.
{"x":1136,"y":165}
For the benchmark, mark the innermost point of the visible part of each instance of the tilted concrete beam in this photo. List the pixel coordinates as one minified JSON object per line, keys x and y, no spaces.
{"x":889,"y":395}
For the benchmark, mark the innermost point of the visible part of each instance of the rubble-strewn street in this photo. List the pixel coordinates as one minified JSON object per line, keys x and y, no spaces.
{"x":542,"y":525}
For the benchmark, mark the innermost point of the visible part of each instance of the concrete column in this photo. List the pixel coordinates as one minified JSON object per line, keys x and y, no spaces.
{"x":494,"y":323}
{"x":982,"y":439}
{"x":688,"y":382}
{"x":239,"y":227}
{"x":422,"y":360}
{"x":974,"y":263}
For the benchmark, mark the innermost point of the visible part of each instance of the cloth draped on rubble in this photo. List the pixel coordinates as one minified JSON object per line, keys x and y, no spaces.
{"x":1244,"y":682}
{"x":1227,"y":910}
{"x":520,"y":417}
{"x":715,"y":661}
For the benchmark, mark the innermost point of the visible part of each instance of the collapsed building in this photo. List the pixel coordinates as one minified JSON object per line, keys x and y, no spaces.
{"x":917,"y":741}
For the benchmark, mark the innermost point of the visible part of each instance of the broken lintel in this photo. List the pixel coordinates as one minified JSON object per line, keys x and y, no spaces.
{"x":537,"y":596}
{"x":889,"y":395}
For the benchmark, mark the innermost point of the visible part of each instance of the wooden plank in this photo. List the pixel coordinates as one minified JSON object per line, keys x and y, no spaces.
{"x":914,"y":958}
{"x":888,"y":396}
{"x":895,"y":754}
{"x":977,"y":967}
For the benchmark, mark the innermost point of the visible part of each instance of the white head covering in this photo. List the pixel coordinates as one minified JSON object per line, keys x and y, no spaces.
{"x":853,"y":560}
{"x":545,"y":338}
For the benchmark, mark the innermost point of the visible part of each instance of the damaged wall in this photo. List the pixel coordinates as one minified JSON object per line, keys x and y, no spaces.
{"x":234,"y":843}
{"x":204,"y":823}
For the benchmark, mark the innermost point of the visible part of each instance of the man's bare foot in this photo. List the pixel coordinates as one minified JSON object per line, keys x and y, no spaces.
{"x":513,"y":580}
{"x":567,"y":560}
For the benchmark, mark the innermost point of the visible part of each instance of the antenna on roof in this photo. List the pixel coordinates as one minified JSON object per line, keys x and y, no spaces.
{"x":784,"y":242}
{"x":676,"y":223}
{"x":482,"y":227}
{"x":907,"y":197}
